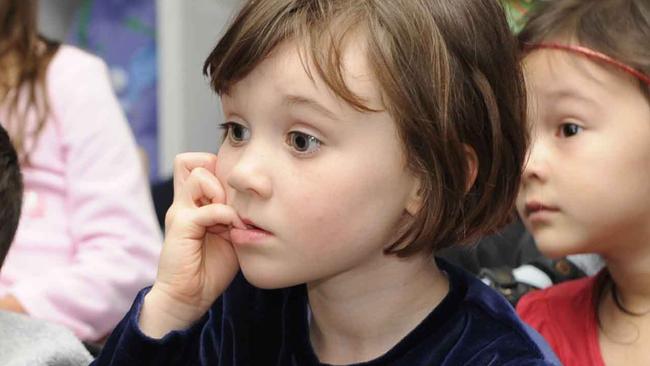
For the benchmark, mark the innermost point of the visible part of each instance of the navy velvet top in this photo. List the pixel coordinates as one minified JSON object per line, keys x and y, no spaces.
{"x":473,"y":325}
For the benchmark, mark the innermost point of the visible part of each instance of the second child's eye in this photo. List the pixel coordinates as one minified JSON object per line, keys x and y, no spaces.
{"x":303,"y":143}
{"x":569,"y":129}
{"x":236,"y":133}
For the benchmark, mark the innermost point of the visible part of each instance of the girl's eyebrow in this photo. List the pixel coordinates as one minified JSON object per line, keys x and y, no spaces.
{"x":297,"y":100}
{"x":571,"y":94}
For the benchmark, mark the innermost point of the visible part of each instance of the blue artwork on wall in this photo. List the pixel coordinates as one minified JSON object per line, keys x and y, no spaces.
{"x":123,"y":33}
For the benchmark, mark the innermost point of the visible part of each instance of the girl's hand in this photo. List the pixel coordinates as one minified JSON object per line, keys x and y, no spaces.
{"x":197,"y":262}
{"x":10,"y":303}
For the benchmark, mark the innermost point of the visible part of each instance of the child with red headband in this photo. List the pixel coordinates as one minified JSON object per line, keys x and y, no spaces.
{"x":586,"y":186}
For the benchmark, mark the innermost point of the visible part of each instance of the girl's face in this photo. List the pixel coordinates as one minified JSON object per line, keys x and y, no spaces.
{"x":323,"y":186}
{"x":586,"y":186}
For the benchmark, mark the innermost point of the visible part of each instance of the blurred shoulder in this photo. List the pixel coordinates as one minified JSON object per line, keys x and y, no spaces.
{"x":28,"y":341}
{"x":567,"y":295}
{"x":72,"y":65}
{"x":67,"y":56}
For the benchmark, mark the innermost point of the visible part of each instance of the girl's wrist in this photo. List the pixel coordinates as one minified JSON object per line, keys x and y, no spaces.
{"x":160,"y":314}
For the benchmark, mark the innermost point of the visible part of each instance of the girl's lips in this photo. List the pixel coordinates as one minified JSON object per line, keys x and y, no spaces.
{"x":534,"y":207}
{"x":539,"y":213}
{"x":252,"y":234}
{"x":250,"y":224}
{"x":248,"y":236}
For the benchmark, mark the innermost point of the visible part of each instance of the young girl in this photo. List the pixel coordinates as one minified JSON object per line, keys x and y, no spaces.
{"x":586,"y":185}
{"x":361,"y":137}
{"x":87,"y":239}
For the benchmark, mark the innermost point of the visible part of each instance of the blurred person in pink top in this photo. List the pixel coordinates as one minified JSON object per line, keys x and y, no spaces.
{"x":88,"y":239}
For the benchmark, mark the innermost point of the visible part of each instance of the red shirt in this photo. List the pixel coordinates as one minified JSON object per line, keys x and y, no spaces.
{"x":564,"y":314}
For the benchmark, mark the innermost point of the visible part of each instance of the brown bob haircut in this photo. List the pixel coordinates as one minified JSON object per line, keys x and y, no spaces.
{"x":450,"y":79}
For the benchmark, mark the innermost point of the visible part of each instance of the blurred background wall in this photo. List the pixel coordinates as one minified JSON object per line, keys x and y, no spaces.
{"x":155,"y":51}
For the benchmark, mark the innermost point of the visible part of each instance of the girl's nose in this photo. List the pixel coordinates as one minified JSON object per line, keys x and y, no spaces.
{"x":536,"y":162}
{"x":249,"y":174}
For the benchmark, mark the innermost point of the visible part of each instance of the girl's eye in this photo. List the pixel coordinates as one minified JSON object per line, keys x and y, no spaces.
{"x":236,"y":133}
{"x":303,"y":143}
{"x":569,"y":129}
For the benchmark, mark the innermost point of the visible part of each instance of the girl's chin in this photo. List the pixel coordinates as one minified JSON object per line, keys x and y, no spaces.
{"x":266,"y":279}
{"x":554,"y":250}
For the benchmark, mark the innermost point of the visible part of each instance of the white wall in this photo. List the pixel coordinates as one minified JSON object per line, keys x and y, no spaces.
{"x":189,"y":112}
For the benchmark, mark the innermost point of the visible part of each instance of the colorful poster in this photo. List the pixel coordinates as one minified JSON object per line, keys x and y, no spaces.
{"x":122,"y":32}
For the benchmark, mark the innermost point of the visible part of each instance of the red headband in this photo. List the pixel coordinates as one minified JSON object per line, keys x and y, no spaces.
{"x":595,"y":55}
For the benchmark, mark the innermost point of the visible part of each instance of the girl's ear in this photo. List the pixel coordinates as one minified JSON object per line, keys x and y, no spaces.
{"x":415,"y":199}
{"x":472,"y":166}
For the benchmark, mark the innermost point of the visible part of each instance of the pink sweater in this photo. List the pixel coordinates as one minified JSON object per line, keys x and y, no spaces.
{"x":88,"y":239}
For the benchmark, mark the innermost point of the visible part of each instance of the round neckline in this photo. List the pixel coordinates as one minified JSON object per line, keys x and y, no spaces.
{"x":299,"y":325}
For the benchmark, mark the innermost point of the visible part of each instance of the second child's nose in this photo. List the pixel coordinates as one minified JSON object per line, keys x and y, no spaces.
{"x":536,"y":162}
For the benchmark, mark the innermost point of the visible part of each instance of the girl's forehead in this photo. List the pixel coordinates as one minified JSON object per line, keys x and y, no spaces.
{"x":289,"y":70}
{"x":557,"y":73}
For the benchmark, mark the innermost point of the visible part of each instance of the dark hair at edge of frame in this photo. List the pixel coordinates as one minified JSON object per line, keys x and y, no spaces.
{"x":11,"y":193}
{"x":474,"y":95}
{"x":617,"y":28}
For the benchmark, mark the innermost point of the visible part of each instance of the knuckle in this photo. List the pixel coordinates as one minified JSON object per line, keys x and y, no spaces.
{"x":179,"y":221}
{"x":199,"y":172}
{"x":170,"y":215}
{"x":179,"y":160}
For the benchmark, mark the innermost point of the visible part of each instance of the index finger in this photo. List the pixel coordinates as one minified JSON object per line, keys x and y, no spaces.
{"x":184,"y":164}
